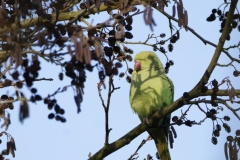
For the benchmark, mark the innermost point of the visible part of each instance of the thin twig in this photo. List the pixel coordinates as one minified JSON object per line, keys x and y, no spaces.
{"x":7,"y":68}
{"x":140,"y":146}
{"x":100,"y":94}
{"x":231,"y":109}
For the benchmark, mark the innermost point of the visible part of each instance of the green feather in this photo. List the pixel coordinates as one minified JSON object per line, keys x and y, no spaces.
{"x":150,"y":91}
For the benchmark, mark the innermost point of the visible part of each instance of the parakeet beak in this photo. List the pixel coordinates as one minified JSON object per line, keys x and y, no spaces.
{"x":137,"y":65}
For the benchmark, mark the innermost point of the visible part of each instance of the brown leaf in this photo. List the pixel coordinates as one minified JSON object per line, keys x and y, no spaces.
{"x":18,"y":55}
{"x":24,"y":111}
{"x":226,"y":150}
{"x":6,"y":122}
{"x":185,"y":20}
{"x":231,"y":94}
{"x":125,"y":3}
{"x":173,"y":11}
{"x":174,"y":132}
{"x":10,"y":148}
{"x":88,"y":4}
{"x":78,"y":99}
{"x":97,"y":5}
{"x":161,"y":5}
{"x":230,"y":147}
{"x":235,"y":151}
{"x":180,"y":14}
{"x":171,"y":140}
{"x":13,"y":144}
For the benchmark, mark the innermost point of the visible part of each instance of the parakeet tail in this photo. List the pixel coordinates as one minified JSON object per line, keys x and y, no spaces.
{"x":160,"y":139}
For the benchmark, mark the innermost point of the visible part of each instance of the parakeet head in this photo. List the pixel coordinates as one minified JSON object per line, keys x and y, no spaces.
{"x":147,"y":60}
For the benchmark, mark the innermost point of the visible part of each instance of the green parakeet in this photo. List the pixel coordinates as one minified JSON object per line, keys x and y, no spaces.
{"x":150,"y":91}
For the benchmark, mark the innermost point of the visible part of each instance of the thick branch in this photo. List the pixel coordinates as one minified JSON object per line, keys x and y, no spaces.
{"x":219,"y":93}
{"x":126,"y":139}
{"x":62,"y":17}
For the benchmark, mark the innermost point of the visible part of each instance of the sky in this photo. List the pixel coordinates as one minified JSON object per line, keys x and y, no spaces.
{"x":40,"y":138}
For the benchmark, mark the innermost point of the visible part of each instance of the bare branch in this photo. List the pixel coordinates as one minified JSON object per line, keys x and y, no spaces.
{"x":140,"y":146}
{"x":231,"y":109}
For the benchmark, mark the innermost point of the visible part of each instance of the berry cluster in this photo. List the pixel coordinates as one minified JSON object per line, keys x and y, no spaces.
{"x":4,"y":106}
{"x":182,"y":120}
{"x":168,"y":64}
{"x":222,"y":17}
{"x":59,"y":112}
{"x":31,"y":71}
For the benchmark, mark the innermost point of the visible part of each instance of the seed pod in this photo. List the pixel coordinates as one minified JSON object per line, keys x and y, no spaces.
{"x":236,"y":73}
{"x":51,"y":116}
{"x":130,"y":70}
{"x":174,"y":118}
{"x":226,"y":150}
{"x":185,"y":94}
{"x":219,"y":12}
{"x":204,"y":89}
{"x":211,"y":18}
{"x":128,"y":35}
{"x":216,"y":133}
{"x":171,"y":140}
{"x":173,"y":11}
{"x":214,"y":11}
{"x":214,"y":82}
{"x":128,"y":78}
{"x":230,"y":150}
{"x":170,"y":47}
{"x":214,"y":140}
{"x":226,"y":118}
{"x":162,"y":35}
{"x":121,"y":74}
{"x":237,"y":132}
{"x":218,"y":127}
{"x":174,"y":132}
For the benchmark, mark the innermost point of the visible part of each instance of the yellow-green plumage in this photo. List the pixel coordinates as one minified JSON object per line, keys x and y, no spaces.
{"x":150,"y":91}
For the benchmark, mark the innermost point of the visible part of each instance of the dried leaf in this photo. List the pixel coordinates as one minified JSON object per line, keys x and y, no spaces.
{"x":10,"y":148}
{"x":41,"y":38}
{"x":24,"y":111}
{"x":88,"y":5}
{"x":174,"y":132}
{"x":2,"y":111}
{"x":6,"y":122}
{"x":18,"y":55}
{"x":13,"y":144}
{"x":125,"y":3}
{"x":235,"y":151}
{"x":171,"y":140}
{"x":98,"y":49}
{"x":149,"y":157}
{"x":173,"y":11}
{"x":149,"y":16}
{"x":226,"y":150}
{"x":86,"y":52}
{"x":230,"y":151}
{"x":161,"y":5}
{"x":180,"y":14}
{"x":78,"y":99}
{"x":97,"y":5}
{"x":231,"y":94}
{"x":185,"y":20}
